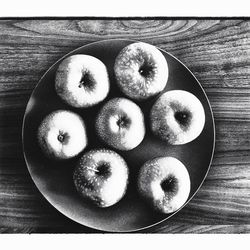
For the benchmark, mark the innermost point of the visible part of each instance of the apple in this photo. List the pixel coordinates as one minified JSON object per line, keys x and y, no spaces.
{"x":177,"y":117}
{"x":141,"y":71}
{"x":120,"y":124}
{"x":101,"y":176}
{"x":82,"y":81}
{"x":62,"y":135}
{"x":164,"y":183}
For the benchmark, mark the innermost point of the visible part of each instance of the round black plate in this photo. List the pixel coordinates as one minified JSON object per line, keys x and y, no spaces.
{"x":54,"y":179}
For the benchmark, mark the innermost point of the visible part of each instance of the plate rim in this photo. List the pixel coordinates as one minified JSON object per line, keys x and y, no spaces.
{"x":212,"y":152}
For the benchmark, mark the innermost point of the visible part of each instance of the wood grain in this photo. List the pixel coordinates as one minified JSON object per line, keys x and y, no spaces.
{"x":216,"y":51}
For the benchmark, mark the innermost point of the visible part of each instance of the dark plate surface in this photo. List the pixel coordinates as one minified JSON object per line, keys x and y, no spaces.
{"x":54,"y":179}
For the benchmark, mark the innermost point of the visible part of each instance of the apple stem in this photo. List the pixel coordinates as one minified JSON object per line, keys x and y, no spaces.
{"x":81,"y":84}
{"x":93,"y":169}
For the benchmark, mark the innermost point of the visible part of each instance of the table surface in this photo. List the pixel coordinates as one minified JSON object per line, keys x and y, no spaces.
{"x":216,"y":51}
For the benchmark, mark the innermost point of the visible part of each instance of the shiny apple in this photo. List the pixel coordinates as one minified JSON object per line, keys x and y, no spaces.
{"x":177,"y":117}
{"x":62,"y":135}
{"x":164,"y":183}
{"x":120,"y":124}
{"x":101,"y":176}
{"x":141,"y":71}
{"x":82,"y":81}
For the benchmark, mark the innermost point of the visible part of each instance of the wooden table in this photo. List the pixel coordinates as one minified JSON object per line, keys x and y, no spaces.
{"x":216,"y":51}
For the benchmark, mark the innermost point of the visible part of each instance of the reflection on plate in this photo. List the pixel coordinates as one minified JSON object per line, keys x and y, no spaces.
{"x":54,"y":179}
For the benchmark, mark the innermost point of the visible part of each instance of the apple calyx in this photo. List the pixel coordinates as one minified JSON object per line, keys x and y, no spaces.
{"x":169,"y":184}
{"x":61,"y":137}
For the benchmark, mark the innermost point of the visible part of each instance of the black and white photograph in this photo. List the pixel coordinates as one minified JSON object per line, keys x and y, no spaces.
{"x":124,"y":124}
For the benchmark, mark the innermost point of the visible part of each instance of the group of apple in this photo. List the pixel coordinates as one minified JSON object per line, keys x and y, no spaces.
{"x":102,"y":175}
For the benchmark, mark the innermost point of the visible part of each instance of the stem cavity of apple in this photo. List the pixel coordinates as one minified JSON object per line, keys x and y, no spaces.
{"x":182,"y":117}
{"x":145,"y":70}
{"x":122,"y":122}
{"x":169,"y":184}
{"x":85,"y":81}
